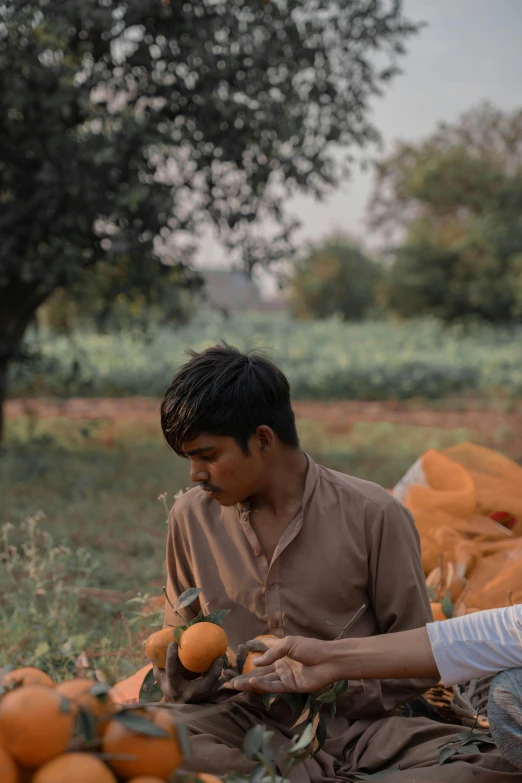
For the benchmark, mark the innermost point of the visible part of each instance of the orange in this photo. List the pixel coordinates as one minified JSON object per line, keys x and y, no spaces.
{"x":8,"y":769}
{"x":154,"y":756}
{"x":78,"y":691}
{"x":77,"y":767}
{"x":157,"y":644}
{"x":27,"y":675}
{"x":36,"y":724}
{"x":200,"y":645}
{"x":251,"y":656}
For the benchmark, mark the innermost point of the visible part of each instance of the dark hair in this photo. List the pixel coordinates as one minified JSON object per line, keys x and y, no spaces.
{"x":225,"y":392}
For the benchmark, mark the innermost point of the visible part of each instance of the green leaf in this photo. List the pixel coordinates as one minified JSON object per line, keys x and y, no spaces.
{"x":305,"y":712}
{"x":85,"y":725}
{"x":177,"y":632}
{"x":184,"y":739}
{"x":269,"y":699}
{"x":254,"y":741}
{"x":101,"y":690}
{"x":65,"y":705}
{"x":340,"y":688}
{"x":469,"y":747}
{"x":139,"y":724}
{"x":431,"y":593}
{"x":327,"y":696}
{"x":447,"y":606}
{"x":217,"y":617}
{"x":150,"y":691}
{"x":188,"y":597}
{"x":445,"y":754}
{"x":197,"y":619}
{"x":320,"y":734}
{"x":296,"y":701}
{"x":302,"y":742}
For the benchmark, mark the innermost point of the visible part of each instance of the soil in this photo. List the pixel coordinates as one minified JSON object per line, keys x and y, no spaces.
{"x":494,"y":424}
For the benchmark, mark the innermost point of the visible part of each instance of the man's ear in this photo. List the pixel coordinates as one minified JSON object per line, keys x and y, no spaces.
{"x":266,"y":438}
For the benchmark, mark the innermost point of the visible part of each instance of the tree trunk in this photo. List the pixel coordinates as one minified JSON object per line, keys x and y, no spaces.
{"x":18,"y":304}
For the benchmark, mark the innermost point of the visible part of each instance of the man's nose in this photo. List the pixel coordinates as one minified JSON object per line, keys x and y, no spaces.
{"x":198,"y":473}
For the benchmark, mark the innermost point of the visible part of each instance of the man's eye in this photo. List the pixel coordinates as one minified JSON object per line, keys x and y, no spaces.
{"x":207,"y":458}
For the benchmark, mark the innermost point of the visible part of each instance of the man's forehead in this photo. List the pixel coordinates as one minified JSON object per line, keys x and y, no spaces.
{"x":204,"y":443}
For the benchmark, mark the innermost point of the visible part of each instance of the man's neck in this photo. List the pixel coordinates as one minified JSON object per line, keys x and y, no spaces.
{"x":283,"y":491}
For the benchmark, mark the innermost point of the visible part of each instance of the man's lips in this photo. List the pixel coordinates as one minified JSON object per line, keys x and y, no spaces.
{"x":210,"y":490}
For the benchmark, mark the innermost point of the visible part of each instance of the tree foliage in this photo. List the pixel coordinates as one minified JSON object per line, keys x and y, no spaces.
{"x":458,"y":199}
{"x":127,"y":124}
{"x":336,"y":278}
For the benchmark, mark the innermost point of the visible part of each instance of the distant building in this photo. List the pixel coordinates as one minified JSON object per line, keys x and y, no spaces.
{"x":227,"y":289}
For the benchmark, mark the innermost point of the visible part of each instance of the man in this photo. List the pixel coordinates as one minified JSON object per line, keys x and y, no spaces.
{"x":455,"y":651}
{"x":291,"y":548}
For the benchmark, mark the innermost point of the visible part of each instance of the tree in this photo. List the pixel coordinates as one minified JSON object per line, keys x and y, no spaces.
{"x":126,"y":124}
{"x":457,"y":199}
{"x":336,"y":278}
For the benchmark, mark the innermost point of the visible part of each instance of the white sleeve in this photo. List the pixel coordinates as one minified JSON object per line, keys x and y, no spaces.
{"x":477,"y":644}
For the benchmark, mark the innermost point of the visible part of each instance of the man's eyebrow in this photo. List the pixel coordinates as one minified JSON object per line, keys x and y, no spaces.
{"x":202,"y":450}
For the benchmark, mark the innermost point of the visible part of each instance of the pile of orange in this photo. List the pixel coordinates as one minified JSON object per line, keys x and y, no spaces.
{"x":40,"y":742}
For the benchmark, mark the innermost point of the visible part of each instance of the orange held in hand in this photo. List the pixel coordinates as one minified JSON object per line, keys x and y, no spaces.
{"x":77,"y":767}
{"x":156,"y":756}
{"x":36,"y":724}
{"x":157,"y":645}
{"x":27,"y":675}
{"x":200,"y":645}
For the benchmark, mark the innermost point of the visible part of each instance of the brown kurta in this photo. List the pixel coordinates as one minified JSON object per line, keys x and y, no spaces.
{"x":350,"y":544}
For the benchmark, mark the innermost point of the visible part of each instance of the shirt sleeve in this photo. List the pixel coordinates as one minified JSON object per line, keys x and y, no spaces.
{"x":477,"y":644}
{"x":179,"y":574}
{"x":399,"y":597}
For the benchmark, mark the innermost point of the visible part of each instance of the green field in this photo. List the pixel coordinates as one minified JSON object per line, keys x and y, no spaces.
{"x":324,"y":360}
{"x":93,"y":487}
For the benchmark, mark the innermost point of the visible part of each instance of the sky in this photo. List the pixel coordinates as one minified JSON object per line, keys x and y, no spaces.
{"x":469,"y":51}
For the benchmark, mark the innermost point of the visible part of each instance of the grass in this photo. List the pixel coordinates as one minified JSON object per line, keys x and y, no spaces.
{"x":84,"y":529}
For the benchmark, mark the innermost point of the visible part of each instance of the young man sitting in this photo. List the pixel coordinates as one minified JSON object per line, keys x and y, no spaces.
{"x":291,"y":548}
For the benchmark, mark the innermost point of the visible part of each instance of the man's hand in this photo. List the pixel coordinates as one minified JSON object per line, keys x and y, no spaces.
{"x":294,"y":664}
{"x":176,"y":688}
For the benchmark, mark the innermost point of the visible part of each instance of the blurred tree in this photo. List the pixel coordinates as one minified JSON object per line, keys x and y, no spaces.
{"x":336,"y":278}
{"x":127,"y":124}
{"x":457,"y":200}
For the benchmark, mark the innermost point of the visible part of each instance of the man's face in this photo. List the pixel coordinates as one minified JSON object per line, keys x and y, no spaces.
{"x":222,"y":469}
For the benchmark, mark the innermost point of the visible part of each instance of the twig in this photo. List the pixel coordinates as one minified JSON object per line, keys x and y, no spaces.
{"x":356,"y":616}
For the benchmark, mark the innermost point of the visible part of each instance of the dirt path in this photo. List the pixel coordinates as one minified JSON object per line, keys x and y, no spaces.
{"x":493,"y":424}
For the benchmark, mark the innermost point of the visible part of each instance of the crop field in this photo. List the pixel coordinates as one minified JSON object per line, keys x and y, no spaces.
{"x":324,"y":360}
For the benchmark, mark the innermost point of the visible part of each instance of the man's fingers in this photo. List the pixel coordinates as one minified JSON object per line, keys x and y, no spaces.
{"x":241,"y":657}
{"x":275,"y":653}
{"x":266,"y":672}
{"x":266,"y":685}
{"x":256,"y":645}
{"x":172,"y":665}
{"x":158,"y":673}
{"x":212,"y":676}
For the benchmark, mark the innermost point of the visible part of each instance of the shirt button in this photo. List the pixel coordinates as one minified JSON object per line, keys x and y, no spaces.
{"x":271,"y":586}
{"x":275,"y":624}
{"x":259,"y":552}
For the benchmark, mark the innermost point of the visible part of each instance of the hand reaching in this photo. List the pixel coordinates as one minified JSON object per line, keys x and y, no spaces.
{"x":294,"y":664}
